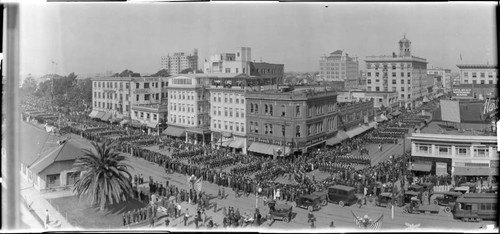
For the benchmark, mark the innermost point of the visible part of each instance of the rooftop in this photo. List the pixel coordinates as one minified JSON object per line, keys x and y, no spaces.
{"x":391,"y":58}
{"x":463,"y":129}
{"x":476,"y":66}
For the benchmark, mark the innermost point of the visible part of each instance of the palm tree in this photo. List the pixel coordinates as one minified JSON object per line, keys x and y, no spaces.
{"x":106,"y":176}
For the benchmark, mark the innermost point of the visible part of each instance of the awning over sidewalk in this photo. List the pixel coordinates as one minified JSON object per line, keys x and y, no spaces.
{"x":237,"y":143}
{"x":369,"y":126}
{"x":421,"y":167}
{"x":151,"y":125}
{"x":99,"y":114}
{"x":337,"y":139}
{"x":356,"y":131}
{"x":472,"y":171}
{"x":268,"y":149}
{"x":93,"y":114}
{"x":125,"y":121}
{"x":174,"y":131}
{"x":106,"y":116}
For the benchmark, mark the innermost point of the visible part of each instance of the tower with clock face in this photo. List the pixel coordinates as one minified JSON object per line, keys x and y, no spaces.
{"x":404,"y":47}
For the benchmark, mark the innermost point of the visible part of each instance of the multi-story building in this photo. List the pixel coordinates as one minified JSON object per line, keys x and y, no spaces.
{"x":180,"y":61}
{"x":403,"y":73}
{"x":462,"y":155}
{"x":478,"y":74}
{"x":228,"y":108}
{"x":150,"y":116}
{"x":442,"y":78}
{"x":284,"y":122}
{"x":268,"y":71}
{"x":113,"y":97}
{"x":188,"y":107}
{"x":380,"y":99}
{"x":236,"y":62}
{"x":339,"y":66}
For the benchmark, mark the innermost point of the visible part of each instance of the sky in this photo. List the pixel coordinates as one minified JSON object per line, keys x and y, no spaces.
{"x":95,"y":37}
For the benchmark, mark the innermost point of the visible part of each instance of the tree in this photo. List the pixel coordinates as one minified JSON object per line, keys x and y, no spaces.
{"x":29,"y":84}
{"x":106,"y":178}
{"x":188,"y":70}
{"x":127,"y":73}
{"x":161,"y":73}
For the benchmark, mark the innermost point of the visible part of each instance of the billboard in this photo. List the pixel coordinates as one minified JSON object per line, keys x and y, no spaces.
{"x":462,"y":92}
{"x":450,"y":111}
{"x":441,"y":168}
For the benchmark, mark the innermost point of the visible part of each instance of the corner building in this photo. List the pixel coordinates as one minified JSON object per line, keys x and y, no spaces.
{"x":282,"y":123}
{"x":403,"y":73}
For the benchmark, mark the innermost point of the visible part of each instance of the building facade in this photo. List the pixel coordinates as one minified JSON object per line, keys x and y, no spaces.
{"x":281,"y":123}
{"x":478,"y":74}
{"x":237,"y":62}
{"x":463,"y":155}
{"x":403,"y":73}
{"x":180,"y":61}
{"x":268,"y":71}
{"x":356,"y":113}
{"x":115,"y":96}
{"x":339,"y":66}
{"x":150,"y":116}
{"x":188,"y":107}
{"x":442,"y":79}
{"x":380,"y":99}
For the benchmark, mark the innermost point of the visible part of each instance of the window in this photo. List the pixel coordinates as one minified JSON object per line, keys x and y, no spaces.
{"x":368,"y":74}
{"x":257,"y":108}
{"x":137,"y":97}
{"x":376,"y":74}
{"x":426,"y":149}
{"x":402,"y":81}
{"x":228,"y":70}
{"x":443,"y":149}
{"x":283,"y":130}
{"x":251,"y":107}
{"x":402,"y":89}
{"x":225,"y":125}
{"x":148,"y":116}
{"x":409,"y":74}
{"x":474,"y":75}
{"x":225,"y":111}
{"x":136,"y":85}
{"x":368,"y":81}
{"x":394,"y":81}
{"x":265,"y":109}
{"x":402,"y":74}
{"x":409,"y":81}
{"x":462,"y":150}
{"x":409,"y":96}
{"x":377,"y":88}
{"x":256,"y":127}
{"x":230,"y":126}
{"x":230,"y":112}
{"x":480,"y":151}
{"x":146,"y":85}
{"x":394,"y":74}
{"x":142,"y":115}
{"x":482,"y":75}
{"x":466,"y":74}
{"x":297,"y":131}
{"x":490,"y":82}
{"x":297,"y":111}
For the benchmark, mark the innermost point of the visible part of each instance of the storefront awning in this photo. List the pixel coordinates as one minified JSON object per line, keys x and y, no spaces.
{"x":268,"y":149}
{"x":174,"y":131}
{"x":99,"y":114}
{"x":125,"y":121}
{"x":356,"y":131}
{"x":369,"y":126}
{"x":337,"y":139}
{"x":421,"y":167}
{"x":472,"y":171}
{"x":152,"y":125}
{"x":93,"y":114}
{"x":237,"y":143}
{"x":106,"y":116}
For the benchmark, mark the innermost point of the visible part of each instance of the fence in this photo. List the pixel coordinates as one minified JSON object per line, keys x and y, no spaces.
{"x":442,"y":188}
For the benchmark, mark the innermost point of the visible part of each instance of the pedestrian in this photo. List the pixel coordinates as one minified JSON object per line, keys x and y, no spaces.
{"x":151,"y":221}
{"x":196,"y":220}
{"x":47,"y":219}
{"x":124,"y":220}
{"x":167,"y":222}
{"x":186,"y":216}
{"x":215,"y":206}
{"x":332,"y":224}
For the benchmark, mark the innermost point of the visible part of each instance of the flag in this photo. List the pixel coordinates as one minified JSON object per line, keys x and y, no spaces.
{"x":357,"y":221}
{"x":377,"y":224}
{"x":198,"y":184}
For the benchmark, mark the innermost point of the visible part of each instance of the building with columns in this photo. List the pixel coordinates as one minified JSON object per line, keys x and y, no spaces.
{"x":478,"y":74}
{"x":402,"y":73}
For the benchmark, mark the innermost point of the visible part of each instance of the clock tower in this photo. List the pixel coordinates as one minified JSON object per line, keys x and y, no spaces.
{"x":404,"y":47}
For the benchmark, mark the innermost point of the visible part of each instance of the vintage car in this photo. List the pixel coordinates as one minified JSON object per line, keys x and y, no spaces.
{"x":446,"y":199}
{"x":279,"y":212}
{"x":323,"y":195}
{"x":416,"y":207}
{"x":384,"y":199}
{"x":311,"y":202}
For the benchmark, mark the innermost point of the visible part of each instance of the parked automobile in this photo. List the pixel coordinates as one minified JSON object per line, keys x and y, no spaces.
{"x":279,"y":212}
{"x":310,"y":202}
{"x":341,"y":194}
{"x":384,"y":199}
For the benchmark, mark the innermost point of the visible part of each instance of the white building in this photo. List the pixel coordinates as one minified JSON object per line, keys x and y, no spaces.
{"x":464,"y":155}
{"x":339,"y":66}
{"x":386,"y":99}
{"x":478,"y":74}
{"x":236,"y":62}
{"x":180,"y":61}
{"x":403,"y":73}
{"x":444,"y":75}
{"x":113,"y":97}
{"x":188,"y":107}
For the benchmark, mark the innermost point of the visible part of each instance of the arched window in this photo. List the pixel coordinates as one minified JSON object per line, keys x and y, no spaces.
{"x":265,"y":108}
{"x":251,"y":107}
{"x":271,"y":109}
{"x":257,"y":108}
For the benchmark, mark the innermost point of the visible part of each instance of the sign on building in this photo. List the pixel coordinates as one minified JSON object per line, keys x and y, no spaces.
{"x":462,"y":92}
{"x":441,"y":168}
{"x":450,"y":111}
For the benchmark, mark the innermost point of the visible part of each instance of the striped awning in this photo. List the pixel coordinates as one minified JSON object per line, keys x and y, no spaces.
{"x":356,"y":131}
{"x":106,"y":116}
{"x":93,"y":114}
{"x":100,"y":114}
{"x":152,"y":125}
{"x":341,"y":135}
{"x":237,"y":143}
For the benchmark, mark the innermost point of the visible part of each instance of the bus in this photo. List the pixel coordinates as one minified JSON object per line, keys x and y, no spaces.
{"x":475,"y":207}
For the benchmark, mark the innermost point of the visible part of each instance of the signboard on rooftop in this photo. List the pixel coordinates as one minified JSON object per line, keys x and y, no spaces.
{"x":450,"y":111}
{"x":462,"y":92}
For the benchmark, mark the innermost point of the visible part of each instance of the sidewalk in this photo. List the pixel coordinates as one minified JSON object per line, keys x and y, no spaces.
{"x":39,"y":204}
